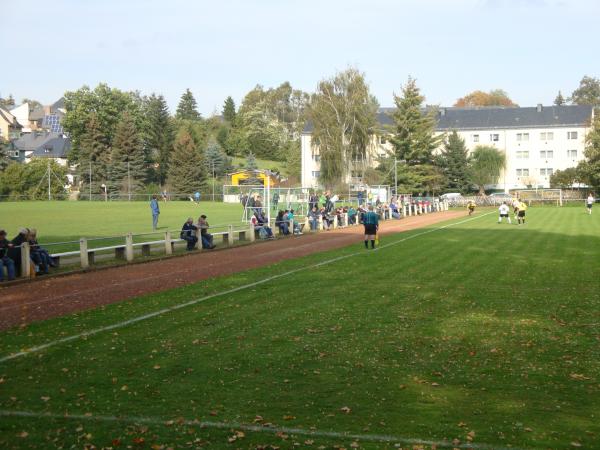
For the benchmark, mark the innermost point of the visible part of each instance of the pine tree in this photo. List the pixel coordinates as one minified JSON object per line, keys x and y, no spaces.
{"x":454,"y":162}
{"x":251,"y":162}
{"x":216,"y":161}
{"x":414,"y":140}
{"x":4,"y":159}
{"x":229,"y":110}
{"x":129,"y":166}
{"x":559,"y":100}
{"x":187,"y":108}
{"x":94,"y":158}
{"x":159,"y":135}
{"x":186,"y":169}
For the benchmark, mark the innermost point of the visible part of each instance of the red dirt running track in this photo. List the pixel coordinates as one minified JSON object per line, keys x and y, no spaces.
{"x":52,"y":297}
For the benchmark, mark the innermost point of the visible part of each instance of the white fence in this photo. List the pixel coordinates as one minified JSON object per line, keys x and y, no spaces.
{"x":87,"y":255}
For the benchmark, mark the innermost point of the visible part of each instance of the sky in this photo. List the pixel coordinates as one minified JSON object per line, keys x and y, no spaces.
{"x":529,"y":48}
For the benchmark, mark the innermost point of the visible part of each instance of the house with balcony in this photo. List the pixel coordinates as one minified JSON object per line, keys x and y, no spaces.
{"x":536,"y":141}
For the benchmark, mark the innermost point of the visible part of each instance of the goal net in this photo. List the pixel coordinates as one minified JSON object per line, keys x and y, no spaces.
{"x":541,"y":196}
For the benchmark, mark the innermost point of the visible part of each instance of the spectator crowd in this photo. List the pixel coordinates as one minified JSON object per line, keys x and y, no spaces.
{"x":10,"y":254}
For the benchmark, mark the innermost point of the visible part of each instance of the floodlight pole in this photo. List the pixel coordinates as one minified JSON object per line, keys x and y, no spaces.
{"x":48,"y":172}
{"x":128,"y":183}
{"x":90,"y":199}
{"x":268,"y":200}
{"x":396,"y":177}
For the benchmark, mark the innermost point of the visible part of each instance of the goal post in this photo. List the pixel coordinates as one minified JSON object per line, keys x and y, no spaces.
{"x":542,"y":196}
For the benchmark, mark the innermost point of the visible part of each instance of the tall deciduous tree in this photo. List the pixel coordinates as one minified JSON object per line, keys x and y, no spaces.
{"x":186,"y":169}
{"x":107,"y":104}
{"x":229,"y":110}
{"x":129,"y":166}
{"x":495,"y":97}
{"x":588,"y":92}
{"x":343,"y":114}
{"x":93,"y":159}
{"x":454,"y":163}
{"x":559,"y":100}
{"x":187,"y":108}
{"x":590,"y":168}
{"x":486,"y":164}
{"x":159,"y":135}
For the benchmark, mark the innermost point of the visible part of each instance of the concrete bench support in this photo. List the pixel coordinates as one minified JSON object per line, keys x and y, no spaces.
{"x":25,"y":260}
{"x":168,"y":244}
{"x":83,"y":253}
{"x":128,"y":247}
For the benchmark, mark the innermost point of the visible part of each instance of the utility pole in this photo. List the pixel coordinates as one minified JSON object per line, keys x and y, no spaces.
{"x":90,"y":199}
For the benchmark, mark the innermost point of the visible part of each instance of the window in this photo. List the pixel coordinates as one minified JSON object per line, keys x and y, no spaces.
{"x":14,"y":153}
{"x":494,"y":137}
{"x":549,"y":136}
{"x":571,"y":134}
{"x":316,"y":158}
{"x":382,"y":140}
{"x":522,"y":172}
{"x":475,"y":137}
{"x":316,"y":173}
{"x":523,"y":154}
{"x":572,"y":154}
{"x":546,"y":154}
{"x":546,"y":172}
{"x":522,"y":136}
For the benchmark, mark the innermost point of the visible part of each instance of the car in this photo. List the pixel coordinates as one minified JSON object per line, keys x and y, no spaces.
{"x":451,"y":196}
{"x":501,"y":195}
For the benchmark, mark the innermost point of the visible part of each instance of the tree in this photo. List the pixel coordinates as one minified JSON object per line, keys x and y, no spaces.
{"x":251,"y":162}
{"x":495,"y":97}
{"x":187,"y":108}
{"x":589,"y":169}
{"x":264,"y":134}
{"x":485,"y":167}
{"x":159,"y":135}
{"x":293,"y":160}
{"x":186,"y":169}
{"x":343,"y":114}
{"x":129,"y":166}
{"x":94,"y":158}
{"x":4,"y":159}
{"x":565,"y":179}
{"x":414,"y":140}
{"x":454,"y":163}
{"x":588,"y":92}
{"x":559,"y":100}
{"x":7,"y":102}
{"x":33,"y":104}
{"x":216,"y":161}
{"x":229,"y":110}
{"x":107,"y":104}
{"x":30,"y":180}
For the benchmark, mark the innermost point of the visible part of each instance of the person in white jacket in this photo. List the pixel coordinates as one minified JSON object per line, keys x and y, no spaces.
{"x":589,"y":203}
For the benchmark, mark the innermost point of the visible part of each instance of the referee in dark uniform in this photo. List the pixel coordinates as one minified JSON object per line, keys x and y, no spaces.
{"x":371,"y":223}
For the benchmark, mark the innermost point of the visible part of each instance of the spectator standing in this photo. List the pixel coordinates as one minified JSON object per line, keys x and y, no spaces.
{"x":207,"y":238}
{"x":155,"y":209}
{"x":361,"y":197}
{"x":5,"y":260}
{"x":197,"y":196}
{"x":275,"y":200}
{"x":188,"y":233}
{"x":371,"y":223}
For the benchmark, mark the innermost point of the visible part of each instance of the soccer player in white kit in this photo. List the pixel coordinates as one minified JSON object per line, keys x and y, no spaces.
{"x":504,"y":212}
{"x":589,"y":203}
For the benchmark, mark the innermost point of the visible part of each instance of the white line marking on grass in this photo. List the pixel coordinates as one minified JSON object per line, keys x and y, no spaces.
{"x":125,"y":323}
{"x":385,"y":438}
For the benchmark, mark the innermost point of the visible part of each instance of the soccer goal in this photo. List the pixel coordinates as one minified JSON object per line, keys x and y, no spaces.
{"x":541,"y":196}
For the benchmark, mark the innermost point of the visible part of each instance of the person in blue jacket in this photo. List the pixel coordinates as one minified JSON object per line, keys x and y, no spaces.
{"x":155,"y":211}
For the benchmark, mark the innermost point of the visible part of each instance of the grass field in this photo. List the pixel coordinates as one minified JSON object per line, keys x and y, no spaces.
{"x":69,"y":220}
{"x":478,"y":332}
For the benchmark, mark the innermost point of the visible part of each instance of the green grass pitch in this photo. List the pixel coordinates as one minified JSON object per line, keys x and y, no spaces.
{"x":480,"y":333}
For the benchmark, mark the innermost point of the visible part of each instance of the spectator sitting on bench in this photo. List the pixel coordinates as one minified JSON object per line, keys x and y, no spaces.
{"x":14,"y":252}
{"x":295,"y":225}
{"x":207,"y":238}
{"x":39,"y":256}
{"x":313,"y":218}
{"x":5,"y":260}
{"x":282,"y":223}
{"x":259,"y":224}
{"x":188,"y":233}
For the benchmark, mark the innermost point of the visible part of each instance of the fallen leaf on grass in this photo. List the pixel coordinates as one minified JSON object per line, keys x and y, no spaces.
{"x":578,"y":376}
{"x":23,"y":434}
{"x":345,"y":410}
{"x":156,"y":367}
{"x":289,"y":417}
{"x":45,"y":398}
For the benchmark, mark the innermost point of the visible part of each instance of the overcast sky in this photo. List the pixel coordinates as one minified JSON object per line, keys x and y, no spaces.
{"x":529,"y":48}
